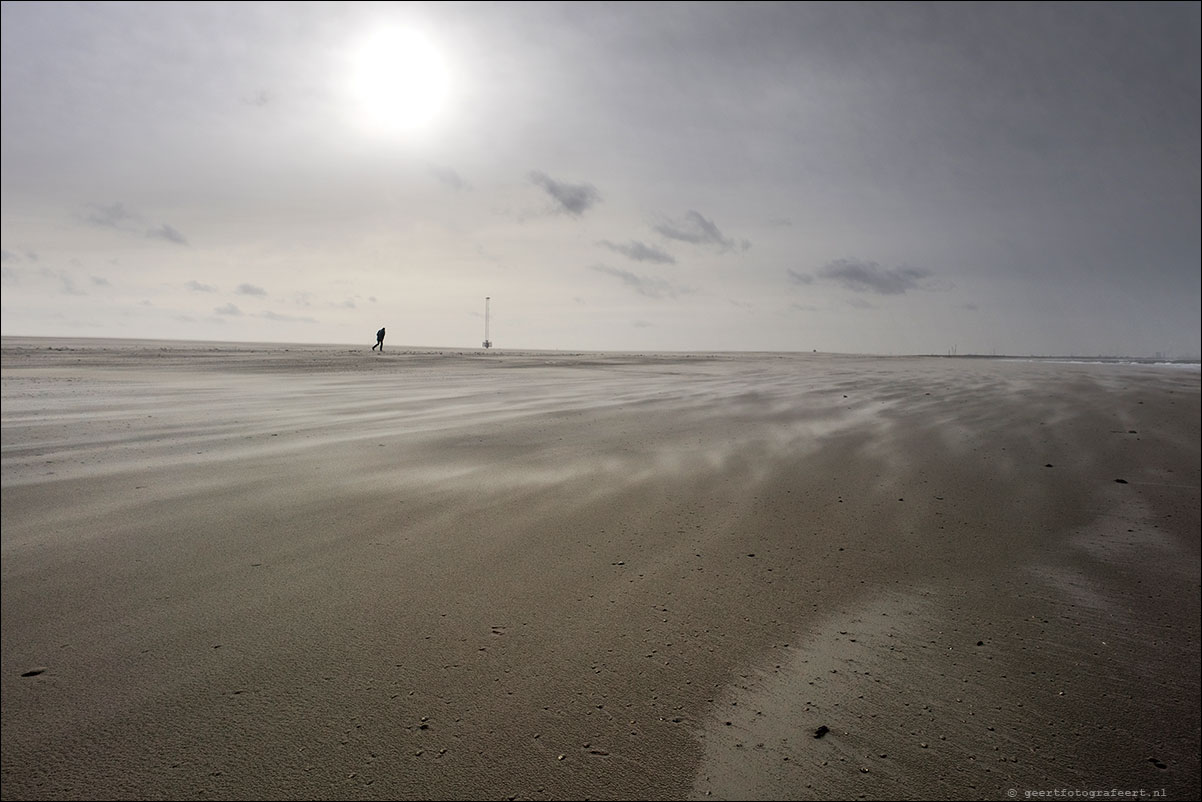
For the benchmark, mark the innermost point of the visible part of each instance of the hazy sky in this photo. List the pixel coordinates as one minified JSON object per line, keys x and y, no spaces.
{"x":879,"y":178}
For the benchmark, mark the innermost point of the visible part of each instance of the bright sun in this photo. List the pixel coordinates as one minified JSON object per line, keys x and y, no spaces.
{"x":399,"y":79}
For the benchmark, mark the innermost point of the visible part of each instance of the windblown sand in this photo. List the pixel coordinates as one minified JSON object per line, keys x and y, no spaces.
{"x":246,"y":572}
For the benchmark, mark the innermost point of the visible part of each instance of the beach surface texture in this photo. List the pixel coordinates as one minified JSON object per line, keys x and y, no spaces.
{"x":238,"y":571}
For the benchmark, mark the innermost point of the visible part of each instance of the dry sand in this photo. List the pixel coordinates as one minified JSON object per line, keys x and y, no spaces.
{"x":245,"y":572}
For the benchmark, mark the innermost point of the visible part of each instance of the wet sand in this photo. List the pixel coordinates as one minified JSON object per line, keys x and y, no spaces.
{"x":316,"y":572}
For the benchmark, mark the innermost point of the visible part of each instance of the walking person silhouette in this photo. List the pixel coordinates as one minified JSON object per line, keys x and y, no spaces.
{"x":379,"y":341}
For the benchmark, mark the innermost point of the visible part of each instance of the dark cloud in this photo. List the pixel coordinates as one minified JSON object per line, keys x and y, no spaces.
{"x":251,"y":289}
{"x":101,"y":281}
{"x":575,"y":199}
{"x":640,"y":252}
{"x":196,"y":285}
{"x":797,"y":277}
{"x":228,"y":309}
{"x":861,"y":276}
{"x":168,"y":233}
{"x":699,"y":230}
{"x":650,"y":286}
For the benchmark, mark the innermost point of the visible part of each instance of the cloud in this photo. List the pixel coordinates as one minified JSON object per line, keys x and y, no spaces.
{"x":196,"y":285}
{"x":449,"y":177}
{"x":68,"y":285}
{"x":698,"y":230}
{"x":101,"y":281}
{"x":861,"y":276}
{"x":65,"y":280}
{"x":260,"y":98}
{"x":168,"y":233}
{"x":575,"y":199}
{"x":251,"y":289}
{"x":116,"y":216}
{"x":9,"y":256}
{"x":110,"y":215}
{"x":650,"y":286}
{"x":797,"y":277}
{"x":285,"y":318}
{"x":228,"y":309}
{"x":639,"y":252}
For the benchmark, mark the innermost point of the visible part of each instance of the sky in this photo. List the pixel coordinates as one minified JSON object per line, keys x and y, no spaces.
{"x":884,"y":178}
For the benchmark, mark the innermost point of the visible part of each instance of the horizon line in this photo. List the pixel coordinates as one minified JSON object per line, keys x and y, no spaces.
{"x":517,"y":349}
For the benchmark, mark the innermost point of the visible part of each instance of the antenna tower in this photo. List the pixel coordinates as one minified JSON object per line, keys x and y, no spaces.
{"x":487,"y":342}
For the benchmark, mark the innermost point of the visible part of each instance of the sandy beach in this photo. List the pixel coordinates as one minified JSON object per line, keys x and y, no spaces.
{"x":317,"y":572}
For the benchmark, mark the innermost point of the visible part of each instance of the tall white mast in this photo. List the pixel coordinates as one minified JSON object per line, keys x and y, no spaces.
{"x":487,"y":342}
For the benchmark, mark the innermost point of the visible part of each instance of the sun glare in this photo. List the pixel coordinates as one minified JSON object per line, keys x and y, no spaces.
{"x":399,"y":80}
